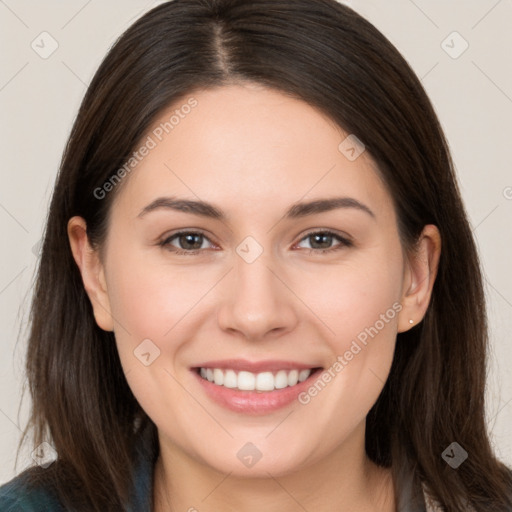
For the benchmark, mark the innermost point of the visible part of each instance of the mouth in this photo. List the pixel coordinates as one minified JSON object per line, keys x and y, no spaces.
{"x":254,"y":388}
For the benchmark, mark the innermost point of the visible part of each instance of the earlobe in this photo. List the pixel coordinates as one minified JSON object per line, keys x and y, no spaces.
{"x":92,"y":272}
{"x":420,"y":275}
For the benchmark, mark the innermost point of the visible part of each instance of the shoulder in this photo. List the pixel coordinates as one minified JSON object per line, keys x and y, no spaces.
{"x":431,"y":505}
{"x":18,"y":496}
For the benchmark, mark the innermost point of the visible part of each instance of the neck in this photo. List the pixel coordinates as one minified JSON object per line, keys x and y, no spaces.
{"x":183,"y":483}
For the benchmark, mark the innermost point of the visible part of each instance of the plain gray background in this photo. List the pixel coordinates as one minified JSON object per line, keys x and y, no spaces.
{"x":471,"y":89}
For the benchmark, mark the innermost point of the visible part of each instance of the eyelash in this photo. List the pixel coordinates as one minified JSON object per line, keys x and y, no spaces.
{"x":344,"y":242}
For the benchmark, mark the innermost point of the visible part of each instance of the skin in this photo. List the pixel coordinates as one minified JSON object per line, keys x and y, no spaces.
{"x":253,"y":152}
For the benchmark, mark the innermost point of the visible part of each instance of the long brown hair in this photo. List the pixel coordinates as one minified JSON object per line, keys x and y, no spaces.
{"x":327,"y":55}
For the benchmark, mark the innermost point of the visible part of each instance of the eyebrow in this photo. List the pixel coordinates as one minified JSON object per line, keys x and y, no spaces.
{"x":296,"y":211}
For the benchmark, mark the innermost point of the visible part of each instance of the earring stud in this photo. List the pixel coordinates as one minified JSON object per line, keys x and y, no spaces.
{"x":411,"y":321}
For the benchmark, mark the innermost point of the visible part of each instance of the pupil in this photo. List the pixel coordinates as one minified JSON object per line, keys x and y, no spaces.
{"x":187,"y":241}
{"x":326,"y":239}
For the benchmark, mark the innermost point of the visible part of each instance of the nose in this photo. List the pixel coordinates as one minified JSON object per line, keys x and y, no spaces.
{"x":256,"y":301}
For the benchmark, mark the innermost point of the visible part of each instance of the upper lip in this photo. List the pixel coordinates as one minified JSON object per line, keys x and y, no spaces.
{"x":256,"y":366}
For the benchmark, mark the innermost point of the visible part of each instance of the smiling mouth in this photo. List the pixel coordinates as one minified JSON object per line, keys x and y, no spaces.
{"x":262,"y":381}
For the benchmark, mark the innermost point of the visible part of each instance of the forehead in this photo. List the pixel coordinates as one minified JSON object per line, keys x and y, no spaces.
{"x":248,"y":147}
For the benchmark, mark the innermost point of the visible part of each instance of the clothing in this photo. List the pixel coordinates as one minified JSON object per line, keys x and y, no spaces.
{"x":16,"y":497}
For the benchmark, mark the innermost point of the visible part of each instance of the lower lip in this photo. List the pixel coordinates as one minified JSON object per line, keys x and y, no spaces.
{"x":254,"y":402}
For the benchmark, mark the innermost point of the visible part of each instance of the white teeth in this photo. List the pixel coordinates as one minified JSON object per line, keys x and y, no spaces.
{"x":281,"y":379}
{"x":218,"y":377}
{"x":230,"y":379}
{"x":265,"y":381}
{"x":293,"y":377}
{"x":303,"y":375}
{"x":248,"y":381}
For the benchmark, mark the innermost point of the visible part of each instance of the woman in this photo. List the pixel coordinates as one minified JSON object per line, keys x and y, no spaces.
{"x":258,"y":287}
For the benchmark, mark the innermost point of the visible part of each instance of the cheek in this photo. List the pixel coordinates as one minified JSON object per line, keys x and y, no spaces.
{"x":352,"y":297}
{"x":148,"y":300}
{"x":151,"y":305}
{"x":362,"y":309}
{"x":360,"y":304}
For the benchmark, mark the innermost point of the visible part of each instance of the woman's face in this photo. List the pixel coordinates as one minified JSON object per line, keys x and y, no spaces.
{"x":259,"y":288}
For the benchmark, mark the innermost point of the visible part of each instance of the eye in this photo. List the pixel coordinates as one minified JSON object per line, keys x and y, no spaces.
{"x":321,"y":241}
{"x":189,"y":242}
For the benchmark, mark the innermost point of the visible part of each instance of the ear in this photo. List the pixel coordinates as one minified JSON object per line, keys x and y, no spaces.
{"x":420,"y":274}
{"x":91,"y":269}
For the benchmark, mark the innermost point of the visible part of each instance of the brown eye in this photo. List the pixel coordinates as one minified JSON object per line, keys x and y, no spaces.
{"x":185,"y":242}
{"x":191,"y":241}
{"x":322,"y":241}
